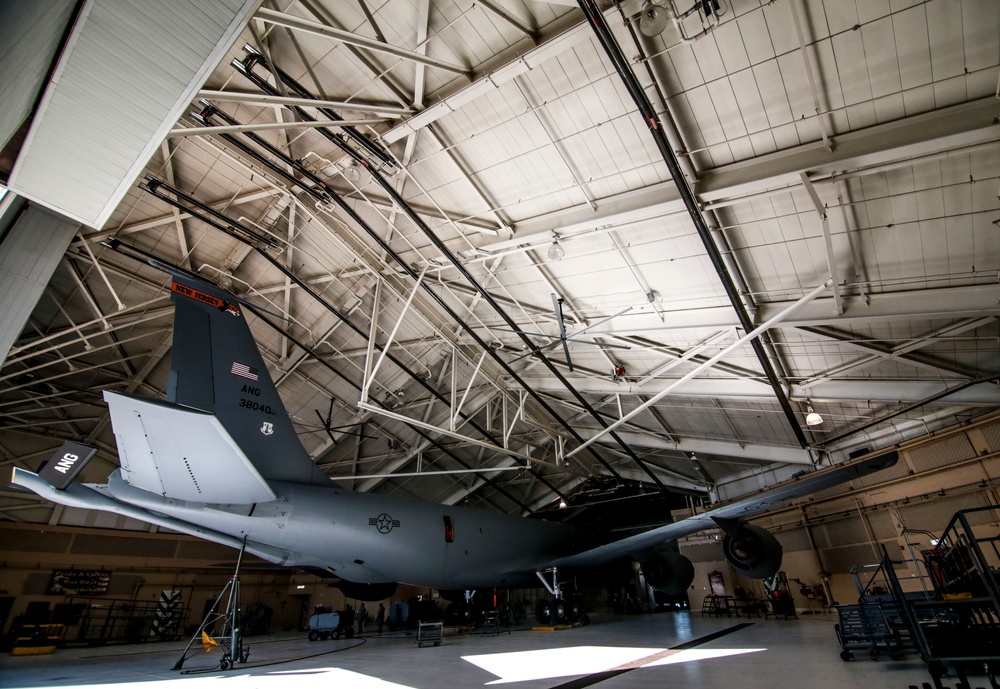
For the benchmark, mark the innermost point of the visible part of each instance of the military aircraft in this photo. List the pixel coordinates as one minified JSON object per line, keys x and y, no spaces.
{"x":219,"y":459}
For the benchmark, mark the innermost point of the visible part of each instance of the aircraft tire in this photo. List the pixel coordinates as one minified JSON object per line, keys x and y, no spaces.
{"x":558,"y":612}
{"x":574,"y":610}
{"x":465,"y":614}
{"x":313,"y":635}
{"x":543,"y":611}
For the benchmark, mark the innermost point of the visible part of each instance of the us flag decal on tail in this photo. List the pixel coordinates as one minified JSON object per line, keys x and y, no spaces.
{"x":244,"y":371}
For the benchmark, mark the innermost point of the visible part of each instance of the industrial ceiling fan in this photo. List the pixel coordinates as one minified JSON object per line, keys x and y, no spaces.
{"x":563,"y":338}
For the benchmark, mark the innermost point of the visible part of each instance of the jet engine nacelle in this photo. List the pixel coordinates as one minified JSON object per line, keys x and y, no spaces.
{"x":753,"y":551}
{"x":668,"y":572}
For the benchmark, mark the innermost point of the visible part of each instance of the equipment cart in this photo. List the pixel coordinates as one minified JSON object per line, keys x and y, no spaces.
{"x":864,"y":627}
{"x":429,"y":633}
{"x":959,"y":629}
{"x":325,"y":625}
{"x":875,"y":624}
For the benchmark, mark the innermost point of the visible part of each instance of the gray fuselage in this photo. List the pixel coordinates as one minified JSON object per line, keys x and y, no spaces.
{"x":369,"y":538}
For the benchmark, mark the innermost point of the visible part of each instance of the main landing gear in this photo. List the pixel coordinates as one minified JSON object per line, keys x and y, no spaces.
{"x":559,"y":609}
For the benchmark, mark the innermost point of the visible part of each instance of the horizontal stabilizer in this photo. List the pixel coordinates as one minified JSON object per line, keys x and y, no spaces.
{"x":182,"y":453}
{"x":97,"y":497}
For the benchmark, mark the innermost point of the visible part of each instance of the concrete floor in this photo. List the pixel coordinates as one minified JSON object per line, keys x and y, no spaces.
{"x":612,"y":653}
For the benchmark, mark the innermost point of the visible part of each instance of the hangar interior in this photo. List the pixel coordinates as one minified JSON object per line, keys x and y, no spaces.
{"x":553,"y":259}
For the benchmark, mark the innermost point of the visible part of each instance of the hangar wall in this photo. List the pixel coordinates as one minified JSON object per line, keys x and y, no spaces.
{"x":953,"y":469}
{"x":144,"y":564}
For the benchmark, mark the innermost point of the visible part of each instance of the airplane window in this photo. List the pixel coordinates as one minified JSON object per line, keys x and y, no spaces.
{"x":449,"y":530}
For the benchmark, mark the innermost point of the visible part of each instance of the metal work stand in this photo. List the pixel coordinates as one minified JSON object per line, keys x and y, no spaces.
{"x":429,"y":633}
{"x":230,"y":640}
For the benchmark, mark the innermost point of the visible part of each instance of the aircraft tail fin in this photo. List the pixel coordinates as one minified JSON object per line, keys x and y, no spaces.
{"x":216,"y":367}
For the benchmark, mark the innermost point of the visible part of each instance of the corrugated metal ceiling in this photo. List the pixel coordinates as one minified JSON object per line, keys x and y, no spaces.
{"x":544,"y":142}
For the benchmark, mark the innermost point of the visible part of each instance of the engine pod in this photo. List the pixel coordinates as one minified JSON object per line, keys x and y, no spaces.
{"x":668,"y":572}
{"x":753,"y":551}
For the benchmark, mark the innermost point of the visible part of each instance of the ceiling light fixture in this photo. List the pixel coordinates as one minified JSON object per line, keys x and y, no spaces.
{"x":812,"y":418}
{"x":556,"y":251}
{"x":653,"y":19}
{"x":352,"y":172}
{"x":562,"y":504}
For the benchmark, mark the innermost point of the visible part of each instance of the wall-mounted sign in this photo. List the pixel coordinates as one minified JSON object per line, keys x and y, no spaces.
{"x":79,"y":582}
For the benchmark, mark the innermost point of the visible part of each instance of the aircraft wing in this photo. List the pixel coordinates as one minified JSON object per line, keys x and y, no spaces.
{"x":182,"y":453}
{"x":636,"y":546}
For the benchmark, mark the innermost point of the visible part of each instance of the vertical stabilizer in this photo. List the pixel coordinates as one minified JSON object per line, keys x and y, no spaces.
{"x":216,"y":367}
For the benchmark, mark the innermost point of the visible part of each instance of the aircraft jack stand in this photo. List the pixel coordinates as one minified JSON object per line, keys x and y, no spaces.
{"x":230,"y":641}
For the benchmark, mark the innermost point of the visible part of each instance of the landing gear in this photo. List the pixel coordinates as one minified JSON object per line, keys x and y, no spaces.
{"x":558,"y":609}
{"x":464,"y":614}
{"x":467,"y":613}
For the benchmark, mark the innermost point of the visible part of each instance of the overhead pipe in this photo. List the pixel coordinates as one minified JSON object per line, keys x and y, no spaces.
{"x":446,"y":252}
{"x":245,"y":67}
{"x":621,"y":64}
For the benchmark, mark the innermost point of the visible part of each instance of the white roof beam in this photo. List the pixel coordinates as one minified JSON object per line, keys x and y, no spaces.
{"x":884,"y":391}
{"x":265,"y":99}
{"x":726,"y":448}
{"x":921,"y":135}
{"x":299,"y":24}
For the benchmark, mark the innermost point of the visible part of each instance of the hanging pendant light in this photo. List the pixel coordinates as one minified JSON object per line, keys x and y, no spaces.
{"x":556,"y":251}
{"x":653,"y":19}
{"x":812,"y":418}
{"x":352,"y":172}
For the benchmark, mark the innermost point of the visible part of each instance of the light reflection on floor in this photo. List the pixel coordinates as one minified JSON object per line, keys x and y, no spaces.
{"x":522,"y":666}
{"x":316,"y":678}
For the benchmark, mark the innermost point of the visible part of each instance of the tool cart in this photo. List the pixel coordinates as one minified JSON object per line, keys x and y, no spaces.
{"x":959,"y":628}
{"x":875,"y":624}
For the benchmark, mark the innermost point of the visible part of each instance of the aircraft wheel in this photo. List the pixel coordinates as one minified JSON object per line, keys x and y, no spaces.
{"x":559,"y":612}
{"x":574,"y":610}
{"x":543,"y":611}
{"x":465,"y":614}
{"x":224,"y":663}
{"x":313,"y":635}
{"x":349,"y":632}
{"x":336,"y":635}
